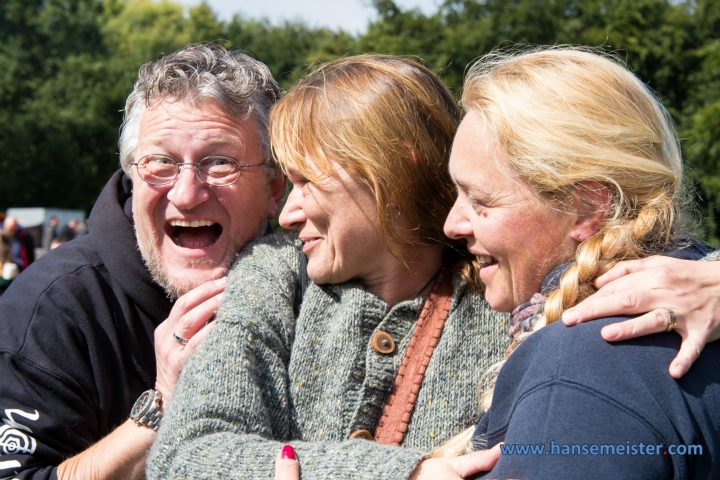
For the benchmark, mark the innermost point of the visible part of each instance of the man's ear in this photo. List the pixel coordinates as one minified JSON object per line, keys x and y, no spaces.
{"x":592,"y":204}
{"x":276,"y":191}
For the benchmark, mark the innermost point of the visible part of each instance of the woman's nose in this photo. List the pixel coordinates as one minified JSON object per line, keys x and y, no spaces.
{"x":292,"y":214}
{"x":457,"y":225}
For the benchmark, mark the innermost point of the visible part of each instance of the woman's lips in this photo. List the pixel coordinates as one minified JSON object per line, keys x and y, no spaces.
{"x":487,"y":265}
{"x":309,"y":244}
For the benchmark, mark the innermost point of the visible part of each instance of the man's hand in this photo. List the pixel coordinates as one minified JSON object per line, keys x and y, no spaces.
{"x":188,"y":320}
{"x":690,"y":289}
{"x":457,"y":468}
{"x":120,"y":455}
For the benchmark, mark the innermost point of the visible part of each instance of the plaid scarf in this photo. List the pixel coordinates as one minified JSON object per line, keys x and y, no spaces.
{"x":524,"y":316}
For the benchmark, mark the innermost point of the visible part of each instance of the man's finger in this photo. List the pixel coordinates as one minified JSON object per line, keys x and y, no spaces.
{"x":200,"y":336}
{"x":190,"y":323}
{"x":197,"y":296}
{"x":481,"y":461}
{"x":689,"y":352}
{"x":652,"y":322}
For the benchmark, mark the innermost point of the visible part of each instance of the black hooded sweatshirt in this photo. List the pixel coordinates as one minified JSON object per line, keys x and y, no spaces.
{"x":76,"y":341}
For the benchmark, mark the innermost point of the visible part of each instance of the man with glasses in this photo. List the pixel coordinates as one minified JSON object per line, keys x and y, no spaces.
{"x":114,"y":315}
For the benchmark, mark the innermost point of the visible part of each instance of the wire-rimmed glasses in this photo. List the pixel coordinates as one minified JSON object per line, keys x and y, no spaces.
{"x":215,"y":170}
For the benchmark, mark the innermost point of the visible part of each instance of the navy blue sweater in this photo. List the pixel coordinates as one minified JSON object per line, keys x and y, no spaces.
{"x":586,"y":408}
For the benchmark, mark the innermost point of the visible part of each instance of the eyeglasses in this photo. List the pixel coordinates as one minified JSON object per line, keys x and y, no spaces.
{"x":216,"y":170}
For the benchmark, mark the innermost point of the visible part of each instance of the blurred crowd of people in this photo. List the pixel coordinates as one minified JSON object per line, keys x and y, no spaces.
{"x":18,"y":248}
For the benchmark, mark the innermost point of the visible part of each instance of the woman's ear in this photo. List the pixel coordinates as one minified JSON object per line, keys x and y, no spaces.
{"x":592,"y":204}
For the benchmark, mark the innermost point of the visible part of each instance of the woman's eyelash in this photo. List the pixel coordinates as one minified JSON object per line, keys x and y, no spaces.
{"x":474,"y":200}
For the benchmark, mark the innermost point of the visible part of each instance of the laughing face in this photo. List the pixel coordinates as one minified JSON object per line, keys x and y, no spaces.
{"x":188,"y":231}
{"x":516,"y":236}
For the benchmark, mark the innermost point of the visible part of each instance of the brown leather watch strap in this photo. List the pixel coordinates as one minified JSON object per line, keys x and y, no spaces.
{"x":401,"y":401}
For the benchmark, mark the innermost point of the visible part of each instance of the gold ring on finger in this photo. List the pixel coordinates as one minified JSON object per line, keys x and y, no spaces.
{"x":672,"y":319}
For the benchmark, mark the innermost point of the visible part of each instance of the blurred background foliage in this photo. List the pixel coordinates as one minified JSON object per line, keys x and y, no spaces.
{"x":66,"y":67}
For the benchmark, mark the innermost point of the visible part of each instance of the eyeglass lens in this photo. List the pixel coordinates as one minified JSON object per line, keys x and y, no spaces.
{"x":160,"y":170}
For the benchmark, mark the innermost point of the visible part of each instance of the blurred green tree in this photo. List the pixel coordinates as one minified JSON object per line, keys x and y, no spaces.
{"x":66,"y":67}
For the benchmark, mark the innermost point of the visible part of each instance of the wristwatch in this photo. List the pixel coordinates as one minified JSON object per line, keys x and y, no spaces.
{"x":146,"y":410}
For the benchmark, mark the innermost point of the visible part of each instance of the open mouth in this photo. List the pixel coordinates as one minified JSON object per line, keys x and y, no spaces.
{"x":193,"y":233}
{"x":485,"y":261}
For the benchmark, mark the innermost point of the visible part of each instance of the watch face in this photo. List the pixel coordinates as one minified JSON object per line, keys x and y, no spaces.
{"x":140,"y":404}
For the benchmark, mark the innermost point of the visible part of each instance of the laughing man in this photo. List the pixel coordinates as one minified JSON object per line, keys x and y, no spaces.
{"x":114,"y":315}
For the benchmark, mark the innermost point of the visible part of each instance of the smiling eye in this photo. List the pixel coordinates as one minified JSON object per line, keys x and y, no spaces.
{"x":157,"y":168}
{"x":474,"y":200}
{"x":161,"y":161}
{"x":219,"y":170}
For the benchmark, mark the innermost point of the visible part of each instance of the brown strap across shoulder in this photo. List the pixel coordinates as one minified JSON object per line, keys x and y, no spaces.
{"x":401,"y":401}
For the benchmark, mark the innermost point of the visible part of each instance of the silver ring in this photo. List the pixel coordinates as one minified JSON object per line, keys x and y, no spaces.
{"x":180,"y":339}
{"x":672,"y":320}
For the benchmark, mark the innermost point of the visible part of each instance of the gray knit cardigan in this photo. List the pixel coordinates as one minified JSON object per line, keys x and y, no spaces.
{"x":273,"y":371}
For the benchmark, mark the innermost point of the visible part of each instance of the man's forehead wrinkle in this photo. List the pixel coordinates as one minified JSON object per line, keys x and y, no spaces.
{"x":209,"y":129}
{"x":212,"y":141}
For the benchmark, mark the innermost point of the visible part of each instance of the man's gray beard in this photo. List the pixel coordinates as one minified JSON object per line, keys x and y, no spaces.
{"x":178,"y":289}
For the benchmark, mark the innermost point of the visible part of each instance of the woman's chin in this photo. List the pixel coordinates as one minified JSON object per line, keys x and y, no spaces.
{"x":498,"y":301}
{"x":321,"y":275}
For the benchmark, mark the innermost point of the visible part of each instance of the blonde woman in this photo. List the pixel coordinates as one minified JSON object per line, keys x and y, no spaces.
{"x":566,"y":164}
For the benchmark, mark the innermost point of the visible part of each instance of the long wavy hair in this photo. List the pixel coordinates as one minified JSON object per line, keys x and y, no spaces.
{"x":567,"y":116}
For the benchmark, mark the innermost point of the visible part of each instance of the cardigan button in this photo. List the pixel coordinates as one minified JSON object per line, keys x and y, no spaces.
{"x":382,"y":342}
{"x":362,"y":435}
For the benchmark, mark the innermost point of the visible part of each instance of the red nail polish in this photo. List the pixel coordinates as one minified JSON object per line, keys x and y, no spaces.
{"x":287,"y":453}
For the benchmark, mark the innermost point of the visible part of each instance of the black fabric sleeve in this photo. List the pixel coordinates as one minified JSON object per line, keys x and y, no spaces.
{"x":48,"y":395}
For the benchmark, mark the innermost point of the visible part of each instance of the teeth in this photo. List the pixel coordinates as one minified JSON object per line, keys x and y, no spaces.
{"x":483,"y":259}
{"x":194,"y":223}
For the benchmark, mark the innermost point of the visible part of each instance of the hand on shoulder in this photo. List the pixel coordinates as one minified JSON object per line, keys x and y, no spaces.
{"x":650,"y":286}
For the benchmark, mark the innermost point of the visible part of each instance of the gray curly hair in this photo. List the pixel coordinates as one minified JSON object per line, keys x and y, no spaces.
{"x":241,"y":85}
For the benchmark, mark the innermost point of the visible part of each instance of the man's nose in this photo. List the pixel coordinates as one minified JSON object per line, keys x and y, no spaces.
{"x":292,"y":214}
{"x":188,"y":191}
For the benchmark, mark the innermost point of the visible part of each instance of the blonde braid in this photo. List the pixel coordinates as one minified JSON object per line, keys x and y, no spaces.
{"x":646,"y":234}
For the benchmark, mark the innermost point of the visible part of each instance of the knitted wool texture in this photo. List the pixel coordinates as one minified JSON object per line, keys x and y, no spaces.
{"x":712,"y":256}
{"x":272,"y":371}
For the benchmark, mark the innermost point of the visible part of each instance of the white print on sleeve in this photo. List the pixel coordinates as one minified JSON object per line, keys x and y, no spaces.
{"x":12,"y":438}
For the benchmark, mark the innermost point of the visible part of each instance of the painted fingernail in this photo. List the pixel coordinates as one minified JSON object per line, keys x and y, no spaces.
{"x":570,"y":317}
{"x":287,"y":453}
{"x":611,"y":332}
